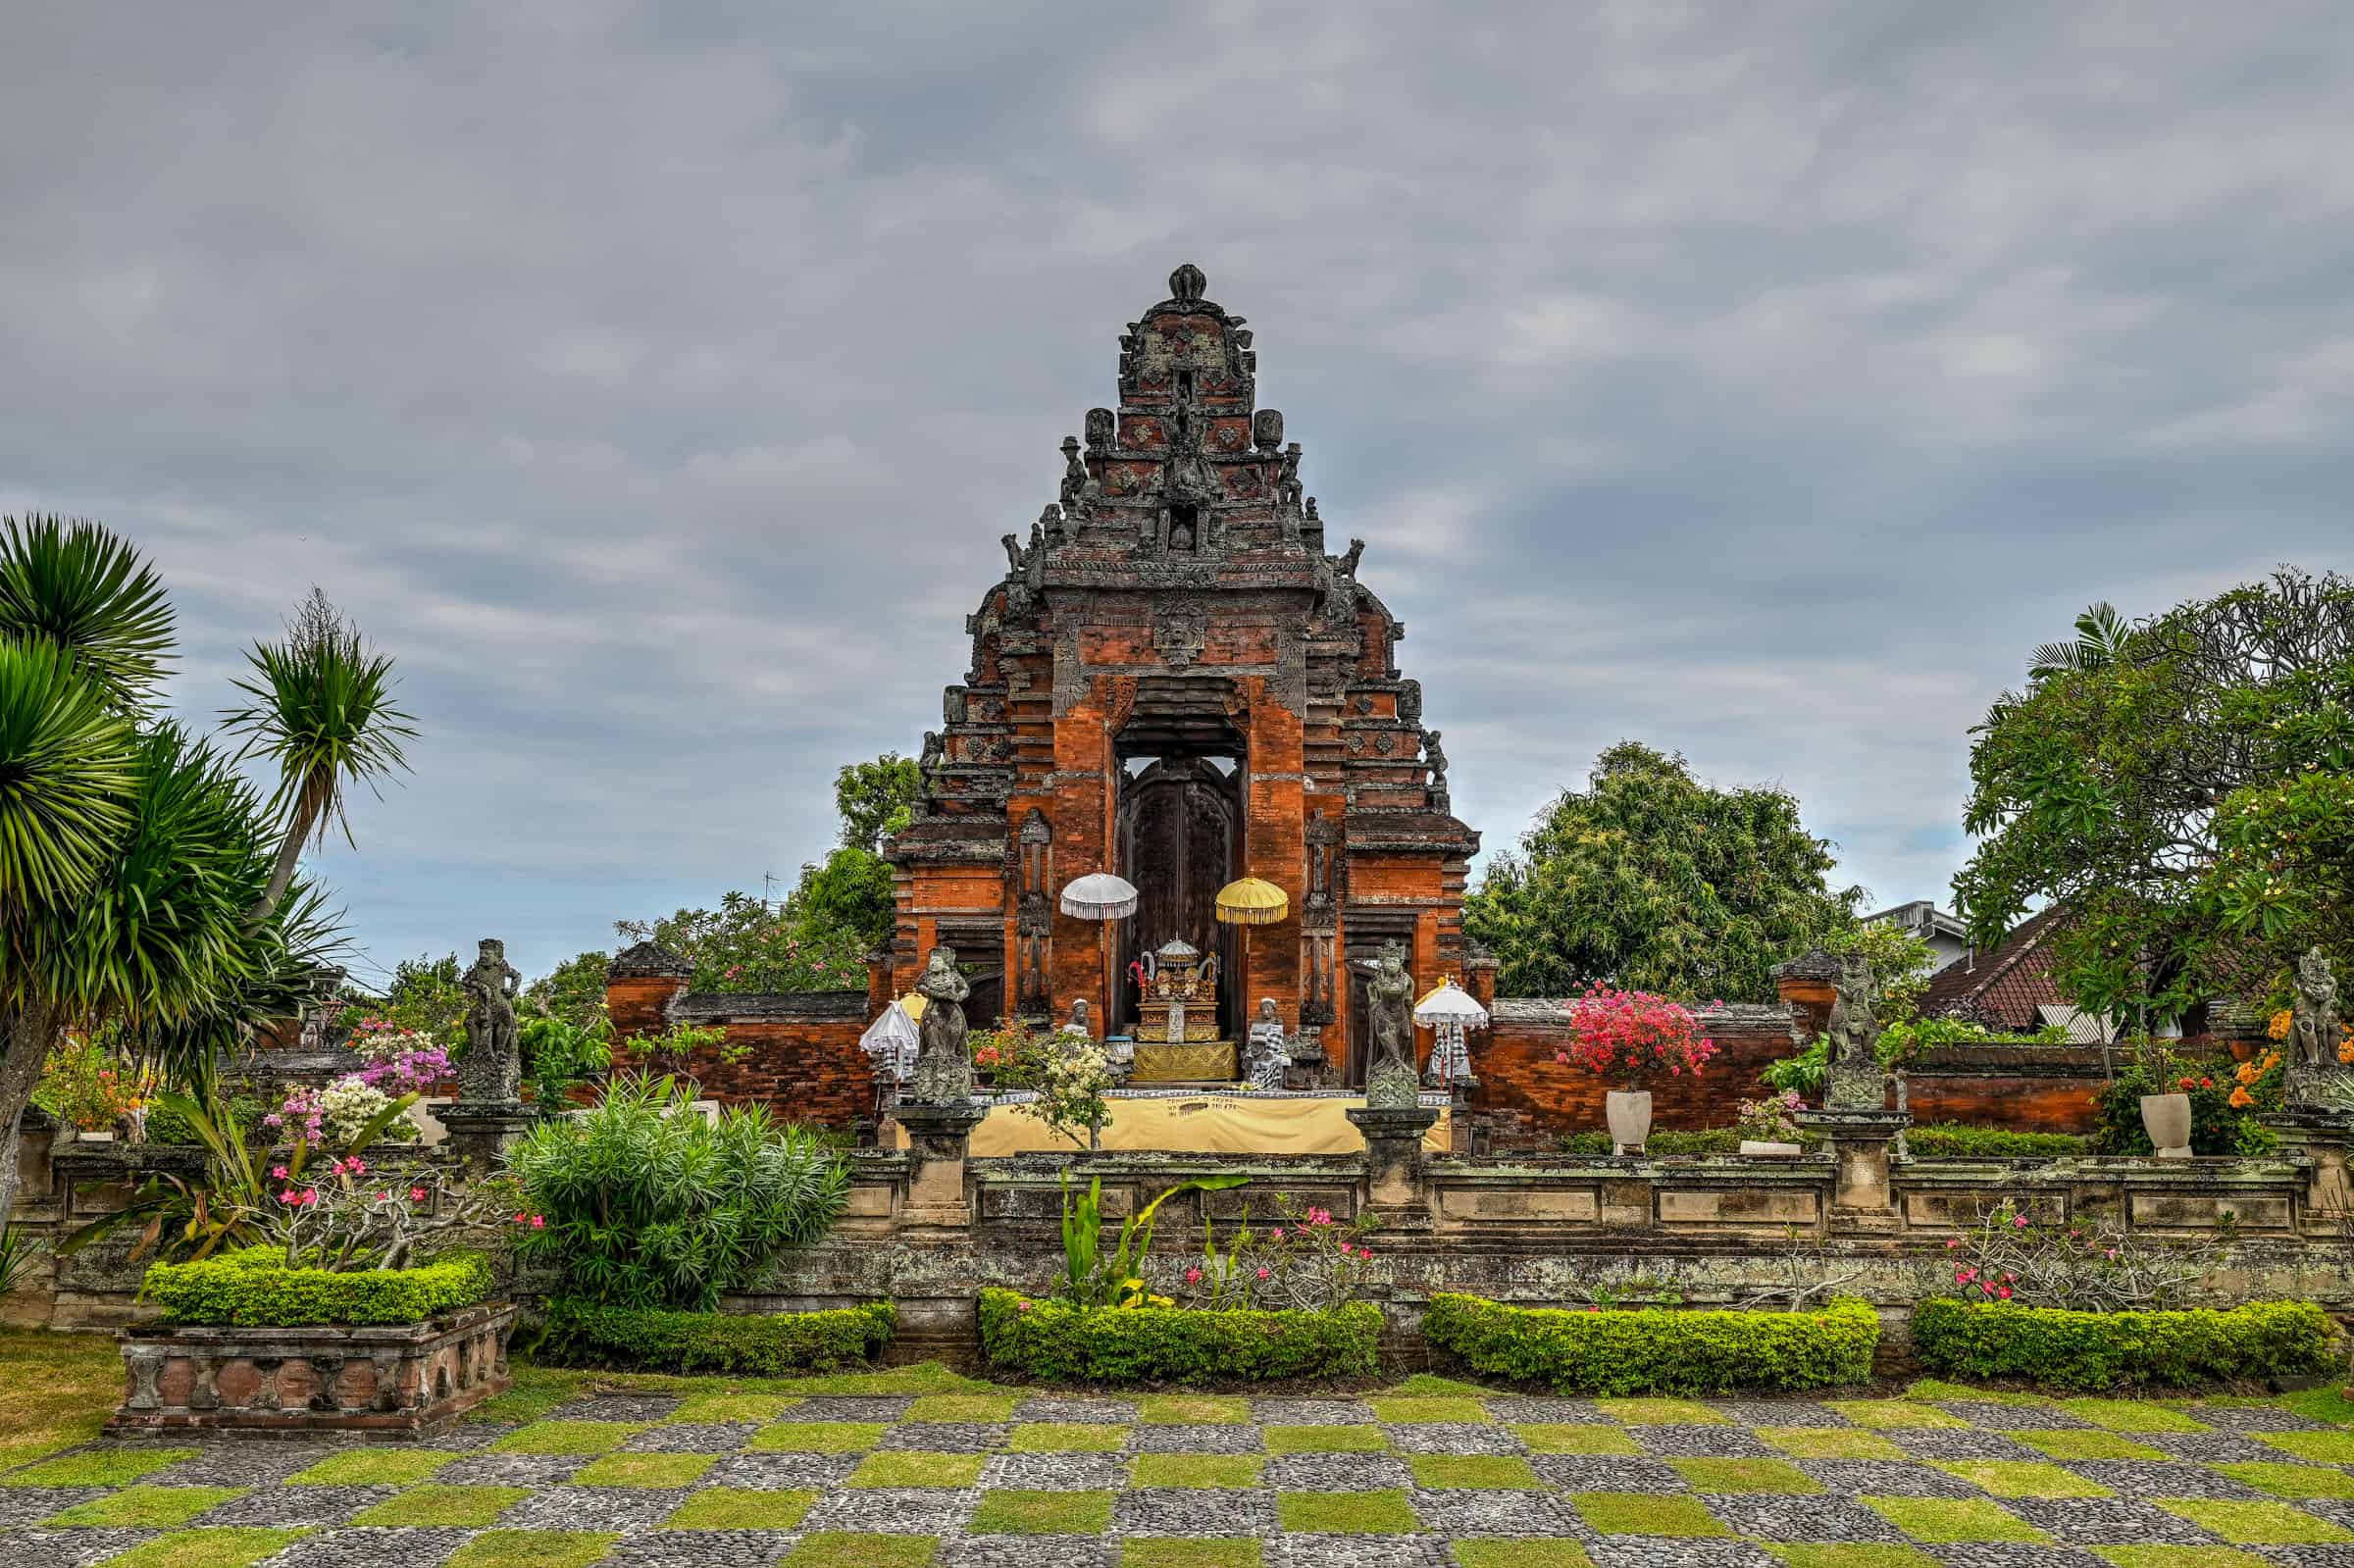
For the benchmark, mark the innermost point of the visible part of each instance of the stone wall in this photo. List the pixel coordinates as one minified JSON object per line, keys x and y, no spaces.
{"x":798,"y":1052}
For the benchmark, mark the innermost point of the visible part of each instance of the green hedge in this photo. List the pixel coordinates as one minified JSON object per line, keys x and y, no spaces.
{"x":1955,"y":1140}
{"x":580,"y":1334}
{"x":2264,"y":1339}
{"x":1656,"y":1351}
{"x":1064,"y":1344}
{"x":253,"y":1288}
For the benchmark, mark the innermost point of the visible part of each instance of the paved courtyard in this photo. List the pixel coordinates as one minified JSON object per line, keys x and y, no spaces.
{"x":1430,"y":1474}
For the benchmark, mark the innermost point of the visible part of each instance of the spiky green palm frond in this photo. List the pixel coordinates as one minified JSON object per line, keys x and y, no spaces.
{"x":322,"y":711}
{"x":66,"y":779}
{"x":85,"y":588}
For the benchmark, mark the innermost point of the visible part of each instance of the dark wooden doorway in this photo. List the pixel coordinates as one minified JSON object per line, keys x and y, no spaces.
{"x":1179,"y":823}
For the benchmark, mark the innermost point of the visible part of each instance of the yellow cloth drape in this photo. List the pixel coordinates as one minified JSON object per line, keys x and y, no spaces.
{"x":1205,"y":1062}
{"x":1202,"y":1124}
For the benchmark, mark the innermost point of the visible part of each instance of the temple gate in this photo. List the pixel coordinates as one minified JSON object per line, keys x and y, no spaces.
{"x":1176,"y":683}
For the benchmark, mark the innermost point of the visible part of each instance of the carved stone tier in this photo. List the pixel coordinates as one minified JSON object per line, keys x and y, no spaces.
{"x":2319,"y":1138}
{"x":939,"y":1143}
{"x":482,"y":1132}
{"x":1858,"y":1141}
{"x":1394,"y":1159}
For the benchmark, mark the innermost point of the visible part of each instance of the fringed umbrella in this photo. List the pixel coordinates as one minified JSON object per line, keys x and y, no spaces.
{"x":1102,"y":897}
{"x":892,"y":1043}
{"x":1448,"y":1012}
{"x":1250,"y":902}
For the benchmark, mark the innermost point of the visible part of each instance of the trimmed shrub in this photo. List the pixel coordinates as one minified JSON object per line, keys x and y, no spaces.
{"x":1064,"y":1344}
{"x":252,"y":1287}
{"x":1656,"y":1350}
{"x":580,"y":1334}
{"x":649,"y":1205}
{"x":2063,"y":1349}
{"x":1958,"y":1140}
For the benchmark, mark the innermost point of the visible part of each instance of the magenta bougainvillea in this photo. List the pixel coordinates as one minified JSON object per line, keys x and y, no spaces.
{"x":1632,"y":1036}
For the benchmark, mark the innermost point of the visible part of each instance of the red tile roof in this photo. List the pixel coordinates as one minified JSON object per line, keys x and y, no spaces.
{"x":2003,"y":987}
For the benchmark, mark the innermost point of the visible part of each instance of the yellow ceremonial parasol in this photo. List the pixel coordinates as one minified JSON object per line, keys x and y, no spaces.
{"x":912,"y":1004}
{"x":1246,"y":903}
{"x":1251,"y":902}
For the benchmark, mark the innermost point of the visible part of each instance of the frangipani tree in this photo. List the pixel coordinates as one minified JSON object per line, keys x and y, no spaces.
{"x":143,"y":880}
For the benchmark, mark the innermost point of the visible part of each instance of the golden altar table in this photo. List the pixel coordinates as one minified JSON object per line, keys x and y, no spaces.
{"x":1195,"y":1062}
{"x":1209,"y":1122}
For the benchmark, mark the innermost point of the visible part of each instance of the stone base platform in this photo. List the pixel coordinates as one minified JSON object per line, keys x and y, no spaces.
{"x":392,"y":1382}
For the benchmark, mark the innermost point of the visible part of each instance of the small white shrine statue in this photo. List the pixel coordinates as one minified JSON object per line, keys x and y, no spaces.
{"x":1270,"y":1049}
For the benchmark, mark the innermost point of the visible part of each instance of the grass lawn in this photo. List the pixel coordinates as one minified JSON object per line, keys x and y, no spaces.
{"x":56,"y":1391}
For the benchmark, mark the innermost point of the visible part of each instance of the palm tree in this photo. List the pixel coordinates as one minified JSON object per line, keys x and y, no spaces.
{"x":322,"y":709}
{"x":142,"y":881}
{"x":2101,"y":635}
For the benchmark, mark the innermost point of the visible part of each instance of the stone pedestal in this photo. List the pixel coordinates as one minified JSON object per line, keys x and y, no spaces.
{"x":1458,"y":1114}
{"x":1394,"y":1159}
{"x":1859,"y":1143}
{"x":2319,"y":1137}
{"x":938,"y":1142}
{"x":481,"y":1130}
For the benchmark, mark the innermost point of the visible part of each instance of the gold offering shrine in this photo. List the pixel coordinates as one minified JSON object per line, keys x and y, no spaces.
{"x":1177,"y":1040}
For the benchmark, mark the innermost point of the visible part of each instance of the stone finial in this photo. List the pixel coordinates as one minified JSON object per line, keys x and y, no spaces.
{"x":647,"y":960}
{"x":1100,"y":426}
{"x":1266,"y":428}
{"x":1186,"y":284}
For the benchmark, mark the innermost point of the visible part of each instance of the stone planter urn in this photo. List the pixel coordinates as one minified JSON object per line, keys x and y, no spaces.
{"x":1628,"y":1112}
{"x":2166,"y":1119}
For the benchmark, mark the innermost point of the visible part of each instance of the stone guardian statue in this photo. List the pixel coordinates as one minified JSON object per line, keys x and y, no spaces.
{"x":1390,"y":1082}
{"x":1854,"y":1079}
{"x":2316,"y":1076}
{"x":492,"y":1071}
{"x":943,"y":1062}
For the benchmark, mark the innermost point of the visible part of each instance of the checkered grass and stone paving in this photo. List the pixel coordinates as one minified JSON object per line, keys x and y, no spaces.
{"x":921,"y":1467}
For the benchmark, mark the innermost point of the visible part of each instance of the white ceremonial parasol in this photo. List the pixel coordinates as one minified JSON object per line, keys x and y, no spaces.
{"x":1448,"y":1012}
{"x":1102,"y":897}
{"x":891,"y":1041}
{"x":1099,"y":895}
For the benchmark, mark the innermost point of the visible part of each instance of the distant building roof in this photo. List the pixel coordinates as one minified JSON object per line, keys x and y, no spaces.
{"x":2006,"y":987}
{"x":1921,"y":917}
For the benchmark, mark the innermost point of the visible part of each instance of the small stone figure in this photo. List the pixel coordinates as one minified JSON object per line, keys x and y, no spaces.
{"x":1078,"y":1023}
{"x":1074,"y":472}
{"x":943,"y":1062}
{"x":2316,"y":1074}
{"x":1270,"y":1049}
{"x":492,"y":1071}
{"x":1854,"y":1080}
{"x":1389,"y":1079}
{"x":1287,"y":479}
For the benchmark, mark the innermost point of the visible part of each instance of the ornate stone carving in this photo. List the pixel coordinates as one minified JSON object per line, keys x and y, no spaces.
{"x":1390,"y":1082}
{"x":1436,"y":760}
{"x":2316,"y":1078}
{"x":1102,"y":425}
{"x":1854,"y":1080}
{"x":1266,"y":428}
{"x":944,"y":1063}
{"x":1180,"y":631}
{"x":492,"y":1071}
{"x":1269,"y":1052}
{"x":1186,"y":284}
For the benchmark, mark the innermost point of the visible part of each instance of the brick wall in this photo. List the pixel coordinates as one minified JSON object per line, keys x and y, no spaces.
{"x":804,"y":1061}
{"x":1531,"y":1097}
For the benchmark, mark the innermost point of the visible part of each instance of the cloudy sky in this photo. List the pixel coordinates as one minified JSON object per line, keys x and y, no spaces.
{"x":654,"y":381}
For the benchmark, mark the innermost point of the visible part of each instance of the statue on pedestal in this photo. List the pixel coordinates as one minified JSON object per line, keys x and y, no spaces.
{"x":1391,"y":1081}
{"x":2316,"y":1078}
{"x":492,"y":1071}
{"x":1854,"y":1079}
{"x":1270,"y":1049}
{"x":943,"y":1062}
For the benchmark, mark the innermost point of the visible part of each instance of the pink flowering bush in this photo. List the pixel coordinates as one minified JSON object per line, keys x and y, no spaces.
{"x":1632,"y":1037}
{"x":2087,"y":1267}
{"x":356,"y":1215}
{"x":1303,"y":1259}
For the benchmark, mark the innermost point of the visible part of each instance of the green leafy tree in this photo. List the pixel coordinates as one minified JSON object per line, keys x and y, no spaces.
{"x":1652,"y":880}
{"x":842,"y":909}
{"x":2186,"y":795}
{"x":141,"y":877}
{"x":573,"y":992}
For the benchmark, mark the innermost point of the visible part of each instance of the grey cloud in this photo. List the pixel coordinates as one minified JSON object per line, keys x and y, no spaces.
{"x":654,"y":381}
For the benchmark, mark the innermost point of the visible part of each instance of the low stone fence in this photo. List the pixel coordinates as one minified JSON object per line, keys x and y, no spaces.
{"x":930,"y":1229}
